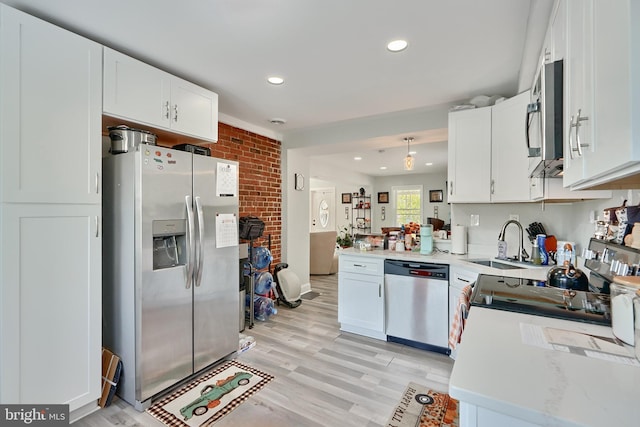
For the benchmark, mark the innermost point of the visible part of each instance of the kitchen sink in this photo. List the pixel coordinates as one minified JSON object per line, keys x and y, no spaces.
{"x":495,"y":264}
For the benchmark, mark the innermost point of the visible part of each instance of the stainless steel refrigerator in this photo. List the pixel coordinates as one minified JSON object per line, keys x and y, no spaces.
{"x":170,"y":254}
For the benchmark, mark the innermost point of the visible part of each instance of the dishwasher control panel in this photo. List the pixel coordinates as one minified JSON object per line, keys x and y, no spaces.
{"x":417,"y":269}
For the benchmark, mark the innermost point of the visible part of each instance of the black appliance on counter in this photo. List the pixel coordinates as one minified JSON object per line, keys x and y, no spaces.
{"x":195,"y":149}
{"x":534,"y":297}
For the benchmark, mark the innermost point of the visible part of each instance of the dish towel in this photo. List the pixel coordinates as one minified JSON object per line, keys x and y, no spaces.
{"x":460,"y":317}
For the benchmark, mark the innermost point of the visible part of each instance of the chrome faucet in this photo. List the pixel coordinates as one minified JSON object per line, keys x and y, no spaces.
{"x":522,"y":253}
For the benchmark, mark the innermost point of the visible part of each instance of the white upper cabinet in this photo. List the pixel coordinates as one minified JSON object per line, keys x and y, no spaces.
{"x":136,"y":91}
{"x":509,"y":161}
{"x":578,"y":93}
{"x":469,"y":152}
{"x":143,"y":94}
{"x":487,"y":153}
{"x":602,"y":112}
{"x":50,"y":110}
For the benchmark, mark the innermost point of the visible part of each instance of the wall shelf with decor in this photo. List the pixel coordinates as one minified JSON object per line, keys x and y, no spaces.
{"x":361,"y":214}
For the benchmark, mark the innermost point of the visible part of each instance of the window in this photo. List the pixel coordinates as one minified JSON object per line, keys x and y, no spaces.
{"x":408,"y":204}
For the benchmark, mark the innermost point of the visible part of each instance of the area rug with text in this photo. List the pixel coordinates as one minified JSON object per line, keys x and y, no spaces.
{"x":422,"y":407}
{"x":211,"y":396}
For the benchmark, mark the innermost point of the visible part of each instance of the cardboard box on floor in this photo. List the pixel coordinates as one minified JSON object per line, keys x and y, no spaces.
{"x":111,"y":368}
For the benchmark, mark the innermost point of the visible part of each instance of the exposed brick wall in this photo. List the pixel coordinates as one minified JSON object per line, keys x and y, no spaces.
{"x":260,"y":179}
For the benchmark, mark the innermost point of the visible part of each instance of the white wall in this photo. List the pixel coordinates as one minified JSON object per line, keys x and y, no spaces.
{"x":566,"y":221}
{"x":295,"y":216}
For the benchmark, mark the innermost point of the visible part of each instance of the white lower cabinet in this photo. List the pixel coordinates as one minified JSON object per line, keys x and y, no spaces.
{"x":361,"y":295}
{"x":50,"y":304}
{"x":477,"y":416}
{"x":458,"y":279}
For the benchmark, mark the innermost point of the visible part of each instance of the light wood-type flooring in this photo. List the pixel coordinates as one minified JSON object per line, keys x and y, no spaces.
{"x":323,"y":377}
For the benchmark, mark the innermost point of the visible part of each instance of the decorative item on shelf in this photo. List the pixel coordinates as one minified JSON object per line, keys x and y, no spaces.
{"x":408,"y":161}
{"x":362,"y":191}
{"x":383,"y":197}
{"x":346,"y":197}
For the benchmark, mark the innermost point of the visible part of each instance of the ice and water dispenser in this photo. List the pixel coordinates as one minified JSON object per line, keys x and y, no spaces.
{"x":169,"y":243}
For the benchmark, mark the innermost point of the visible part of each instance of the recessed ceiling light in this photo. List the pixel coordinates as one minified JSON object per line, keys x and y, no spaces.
{"x":383,"y":168}
{"x":277,"y":121}
{"x":357,"y":158}
{"x":397,"y":45}
{"x":275,"y":80}
{"x":428,"y":164}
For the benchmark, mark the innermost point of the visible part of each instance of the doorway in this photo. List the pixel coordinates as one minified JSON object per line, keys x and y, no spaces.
{"x":323,"y":210}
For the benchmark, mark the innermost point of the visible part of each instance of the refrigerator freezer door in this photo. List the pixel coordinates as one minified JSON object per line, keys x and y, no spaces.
{"x":163,"y":315}
{"x":215,"y":314}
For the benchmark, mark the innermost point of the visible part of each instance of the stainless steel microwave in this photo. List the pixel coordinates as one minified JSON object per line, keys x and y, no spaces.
{"x":544,"y":129}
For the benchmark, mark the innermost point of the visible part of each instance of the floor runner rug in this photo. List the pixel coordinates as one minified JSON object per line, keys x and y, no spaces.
{"x":422,"y":407}
{"x":211,"y":396}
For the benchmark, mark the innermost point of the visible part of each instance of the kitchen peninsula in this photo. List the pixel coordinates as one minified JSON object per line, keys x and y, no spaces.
{"x":500,"y":380}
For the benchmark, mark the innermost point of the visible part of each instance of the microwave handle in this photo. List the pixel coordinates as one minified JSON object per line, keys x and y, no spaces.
{"x":531,"y":109}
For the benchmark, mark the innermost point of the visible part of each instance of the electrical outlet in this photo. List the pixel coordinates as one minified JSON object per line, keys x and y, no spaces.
{"x":515,"y":217}
{"x":474,"y":220}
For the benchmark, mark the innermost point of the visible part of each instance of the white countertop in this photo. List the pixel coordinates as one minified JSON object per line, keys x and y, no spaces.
{"x":531,"y":272}
{"x":494,"y":369}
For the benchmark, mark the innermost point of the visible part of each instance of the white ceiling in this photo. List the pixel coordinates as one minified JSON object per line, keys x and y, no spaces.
{"x":332,"y":54}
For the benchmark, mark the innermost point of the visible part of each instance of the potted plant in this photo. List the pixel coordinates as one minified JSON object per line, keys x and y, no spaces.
{"x":344,"y":238}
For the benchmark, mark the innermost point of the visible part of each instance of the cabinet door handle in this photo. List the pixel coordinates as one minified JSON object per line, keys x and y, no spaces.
{"x":571,"y":126}
{"x":97,"y":226}
{"x":97,"y":182}
{"x":462,"y":280}
{"x":379,"y":290}
{"x":493,"y":183}
{"x":167,"y":110}
{"x":359,"y":265}
{"x":451,"y":188}
{"x":579,"y":119}
{"x":175,"y":113}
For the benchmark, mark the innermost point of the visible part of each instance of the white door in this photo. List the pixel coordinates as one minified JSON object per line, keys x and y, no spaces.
{"x":50,"y":110}
{"x":194,"y":110}
{"x":50,"y":304}
{"x":135,"y":90}
{"x":323,"y":210}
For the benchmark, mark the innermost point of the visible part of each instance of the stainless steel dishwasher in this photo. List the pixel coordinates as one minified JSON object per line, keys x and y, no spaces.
{"x":417,"y":304}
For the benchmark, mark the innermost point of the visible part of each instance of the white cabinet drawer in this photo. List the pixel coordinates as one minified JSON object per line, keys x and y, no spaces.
{"x":362,"y":265}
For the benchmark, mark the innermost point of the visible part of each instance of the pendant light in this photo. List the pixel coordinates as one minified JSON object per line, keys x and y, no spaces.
{"x":408,"y":161}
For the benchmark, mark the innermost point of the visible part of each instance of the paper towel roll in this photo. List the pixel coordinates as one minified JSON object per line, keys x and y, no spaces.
{"x":458,"y":239}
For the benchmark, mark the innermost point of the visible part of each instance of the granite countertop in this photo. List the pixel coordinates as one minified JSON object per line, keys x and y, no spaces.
{"x":496,"y":370}
{"x":461,"y":261}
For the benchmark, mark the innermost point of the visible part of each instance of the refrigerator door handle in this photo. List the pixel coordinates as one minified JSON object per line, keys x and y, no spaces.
{"x":190,"y":257}
{"x":199,"y":242}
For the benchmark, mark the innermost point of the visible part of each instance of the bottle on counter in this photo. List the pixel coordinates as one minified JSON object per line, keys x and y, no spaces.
{"x":502,"y":249}
{"x":541,"y":240}
{"x":535,"y":256}
{"x":400,"y":240}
